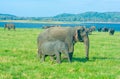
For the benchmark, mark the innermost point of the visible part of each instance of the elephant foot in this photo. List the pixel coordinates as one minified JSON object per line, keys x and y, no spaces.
{"x":71,"y":55}
{"x":58,"y":62}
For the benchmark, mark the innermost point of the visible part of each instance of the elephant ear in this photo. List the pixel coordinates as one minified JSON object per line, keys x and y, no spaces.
{"x":78,"y":34}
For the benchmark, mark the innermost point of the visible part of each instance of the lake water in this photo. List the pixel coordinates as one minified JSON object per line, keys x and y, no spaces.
{"x":115,"y":26}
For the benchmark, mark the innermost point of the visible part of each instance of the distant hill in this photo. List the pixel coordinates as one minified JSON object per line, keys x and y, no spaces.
{"x":90,"y":17}
{"x":7,"y":17}
{"x":82,"y":17}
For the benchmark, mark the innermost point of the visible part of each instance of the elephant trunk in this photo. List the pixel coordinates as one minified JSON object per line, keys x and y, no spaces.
{"x":86,"y":43}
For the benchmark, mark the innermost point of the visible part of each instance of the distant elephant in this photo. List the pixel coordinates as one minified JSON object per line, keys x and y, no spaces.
{"x":9,"y":26}
{"x":104,"y":29}
{"x":69,"y":35}
{"x":89,"y":31}
{"x":54,"y":48}
{"x":45,"y":27}
{"x":92,"y":28}
{"x":99,"y":29}
{"x":111,"y":31}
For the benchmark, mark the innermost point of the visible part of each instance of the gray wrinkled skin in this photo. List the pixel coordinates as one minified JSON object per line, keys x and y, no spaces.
{"x":54,"y":48}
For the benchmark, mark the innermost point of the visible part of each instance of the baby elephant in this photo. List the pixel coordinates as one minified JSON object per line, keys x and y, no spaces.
{"x":52,"y":48}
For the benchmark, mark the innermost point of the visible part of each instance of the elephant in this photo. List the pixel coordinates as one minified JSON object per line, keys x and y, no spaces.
{"x":93,"y":28}
{"x":111,"y":31}
{"x":45,"y":27}
{"x":52,"y":48}
{"x":69,"y":35}
{"x":99,"y":29}
{"x":89,"y":31}
{"x":104,"y":29}
{"x":9,"y":26}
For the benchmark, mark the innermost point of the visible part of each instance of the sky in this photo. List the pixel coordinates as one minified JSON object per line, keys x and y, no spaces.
{"x":48,"y":8}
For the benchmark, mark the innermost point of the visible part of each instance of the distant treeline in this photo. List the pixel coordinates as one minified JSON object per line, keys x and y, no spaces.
{"x":82,"y":17}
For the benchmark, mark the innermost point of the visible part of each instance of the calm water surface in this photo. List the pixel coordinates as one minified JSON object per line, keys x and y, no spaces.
{"x":116,"y":26}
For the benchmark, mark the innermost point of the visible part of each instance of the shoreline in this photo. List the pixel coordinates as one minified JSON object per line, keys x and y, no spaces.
{"x":55,"y":22}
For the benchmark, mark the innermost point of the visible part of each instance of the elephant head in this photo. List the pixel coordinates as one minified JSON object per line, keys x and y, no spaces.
{"x":82,"y":35}
{"x":9,"y":26}
{"x":111,"y":31}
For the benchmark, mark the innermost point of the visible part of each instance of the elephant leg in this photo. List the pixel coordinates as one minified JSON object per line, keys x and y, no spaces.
{"x":58,"y":59}
{"x":43,"y":58}
{"x":71,"y":49}
{"x":86,"y":43}
{"x":8,"y":28}
{"x":68,"y":56}
{"x":39,"y":53}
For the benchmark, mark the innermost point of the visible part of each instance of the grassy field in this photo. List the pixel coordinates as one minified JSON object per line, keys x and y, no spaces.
{"x":18,"y":58}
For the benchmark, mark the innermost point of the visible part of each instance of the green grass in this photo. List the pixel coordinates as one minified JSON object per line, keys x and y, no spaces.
{"x":18,"y":58}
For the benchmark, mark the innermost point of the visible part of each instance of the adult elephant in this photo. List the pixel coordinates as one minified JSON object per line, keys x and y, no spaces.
{"x":111,"y":31}
{"x":9,"y":26}
{"x":69,"y":35}
{"x":104,"y":29}
{"x":99,"y":29}
{"x":93,"y":28}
